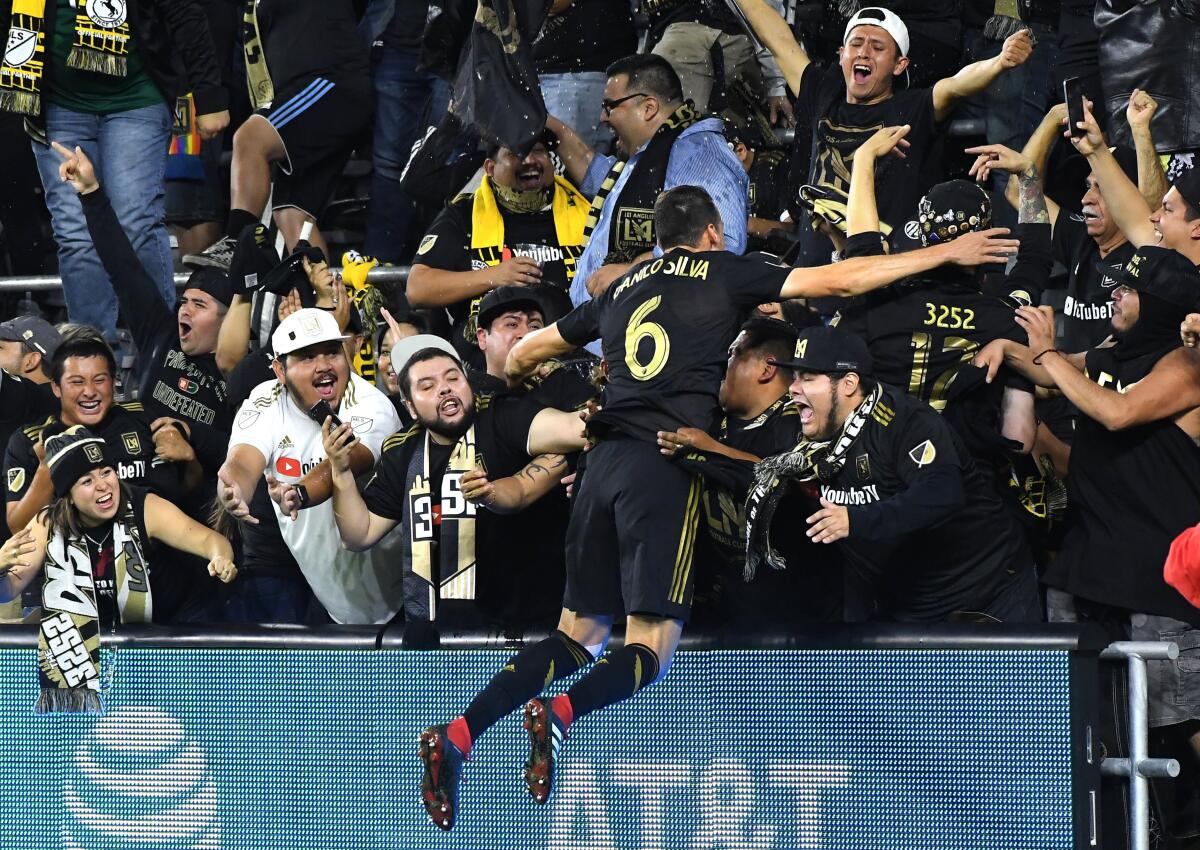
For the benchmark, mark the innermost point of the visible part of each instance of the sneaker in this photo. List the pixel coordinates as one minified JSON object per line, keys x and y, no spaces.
{"x":545,"y":737}
{"x":439,"y":783}
{"x":218,"y":255}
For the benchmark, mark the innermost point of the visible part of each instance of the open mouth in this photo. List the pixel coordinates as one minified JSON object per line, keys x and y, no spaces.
{"x":105,"y":501}
{"x":450,"y":407}
{"x":529,"y":178}
{"x":806,"y":413}
{"x":89,"y":407}
{"x":862,"y":73}
{"x":185,"y":330}
{"x":1090,"y":214}
{"x":326,"y":386}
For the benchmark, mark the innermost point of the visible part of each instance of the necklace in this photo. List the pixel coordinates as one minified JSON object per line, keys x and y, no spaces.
{"x":99,"y":544}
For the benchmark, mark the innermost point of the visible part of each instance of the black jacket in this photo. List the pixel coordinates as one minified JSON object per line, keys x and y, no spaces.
{"x":175,"y":44}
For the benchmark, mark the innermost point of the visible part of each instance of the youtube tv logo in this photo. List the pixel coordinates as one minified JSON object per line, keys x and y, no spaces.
{"x":288,"y":466}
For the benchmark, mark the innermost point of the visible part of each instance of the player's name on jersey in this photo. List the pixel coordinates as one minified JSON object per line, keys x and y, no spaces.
{"x":854,"y":496}
{"x":682,"y":266}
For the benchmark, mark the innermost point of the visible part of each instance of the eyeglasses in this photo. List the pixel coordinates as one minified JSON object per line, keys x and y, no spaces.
{"x":609,"y":105}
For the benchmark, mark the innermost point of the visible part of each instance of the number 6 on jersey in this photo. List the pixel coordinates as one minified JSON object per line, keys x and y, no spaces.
{"x":639,"y":329}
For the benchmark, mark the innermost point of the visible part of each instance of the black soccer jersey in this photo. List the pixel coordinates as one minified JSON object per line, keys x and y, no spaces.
{"x":665,"y":328}
{"x":1088,"y":309}
{"x":928,"y":536}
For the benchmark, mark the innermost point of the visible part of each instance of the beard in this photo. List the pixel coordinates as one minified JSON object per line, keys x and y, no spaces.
{"x":450,"y":430}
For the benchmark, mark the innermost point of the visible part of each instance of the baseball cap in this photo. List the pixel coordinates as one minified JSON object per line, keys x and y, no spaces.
{"x":504,"y":298}
{"x":211,"y":281}
{"x":1162,"y":272}
{"x":951,"y":209}
{"x":403,"y":351}
{"x":884,"y":18}
{"x":826,"y":349}
{"x":305,"y":327}
{"x":1188,"y":185}
{"x":36,"y":333}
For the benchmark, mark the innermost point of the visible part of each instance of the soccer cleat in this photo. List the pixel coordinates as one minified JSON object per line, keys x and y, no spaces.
{"x":439,"y":782}
{"x":545,"y":737}
{"x":218,"y":255}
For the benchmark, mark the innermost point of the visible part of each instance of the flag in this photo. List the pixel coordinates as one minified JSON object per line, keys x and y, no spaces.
{"x":496,"y":92}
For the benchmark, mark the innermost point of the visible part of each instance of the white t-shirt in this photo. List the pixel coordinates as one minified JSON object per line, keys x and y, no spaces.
{"x":354,"y":587}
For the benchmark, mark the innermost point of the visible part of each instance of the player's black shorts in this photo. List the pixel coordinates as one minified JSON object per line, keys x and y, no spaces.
{"x":632,"y":533}
{"x":319,"y":122}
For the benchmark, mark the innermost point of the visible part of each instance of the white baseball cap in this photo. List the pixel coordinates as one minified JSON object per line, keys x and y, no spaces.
{"x":883,"y":18}
{"x":403,"y":351}
{"x":305,"y":327}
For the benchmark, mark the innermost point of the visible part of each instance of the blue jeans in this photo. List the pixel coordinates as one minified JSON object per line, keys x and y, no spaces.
{"x":129,"y":150}
{"x":575,"y":99}
{"x":407,"y":101}
{"x":267,"y":599}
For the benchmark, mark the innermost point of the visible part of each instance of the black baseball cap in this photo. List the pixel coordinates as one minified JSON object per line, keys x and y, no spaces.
{"x":826,"y":349}
{"x":1188,"y":185}
{"x":504,"y":298}
{"x":1162,"y":272}
{"x":37,"y":334}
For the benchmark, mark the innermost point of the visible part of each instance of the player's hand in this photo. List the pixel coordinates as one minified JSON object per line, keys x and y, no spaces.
{"x":284,"y":495}
{"x":210,"y":125}
{"x":288,"y":304}
{"x":76,"y":169}
{"x":989,"y":158}
{"x":1057,"y":115}
{"x":339,"y":442}
{"x":1092,"y":140}
{"x":476,"y":488}
{"x":830,"y":524}
{"x":981,"y":247}
{"x":222,"y":568}
{"x":781,"y":112}
{"x":170,"y":444}
{"x":884,"y":141}
{"x":1017,"y":48}
{"x":671,"y":442}
{"x":516,"y":271}
{"x":233,"y":501}
{"x":16,"y":551}
{"x":991,"y":358}
{"x":1189,"y":330}
{"x":602,"y":278}
{"x":1038,"y":322}
{"x":1140,"y":110}
{"x":568,"y":481}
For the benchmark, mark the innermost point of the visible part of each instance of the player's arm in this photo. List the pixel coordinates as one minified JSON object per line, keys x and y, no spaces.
{"x":516,"y":492}
{"x":1023,"y":359}
{"x":1018,"y":420}
{"x":670,"y":443}
{"x":233,"y":339}
{"x":39,"y":492}
{"x":1034,"y":155}
{"x":21,"y":558}
{"x":534,"y":349}
{"x":237,"y":478}
{"x":358,"y":527}
{"x":1129,"y":209}
{"x":774,"y":32}
{"x":862,"y":274}
{"x":575,"y":153}
{"x":168,"y":524}
{"x":555,"y":432}
{"x":318,"y":483}
{"x":1152,"y":180}
{"x":977,"y":76}
{"x":862,"y":211}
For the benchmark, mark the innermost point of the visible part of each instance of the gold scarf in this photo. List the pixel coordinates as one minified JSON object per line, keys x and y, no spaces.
{"x":258,"y":75}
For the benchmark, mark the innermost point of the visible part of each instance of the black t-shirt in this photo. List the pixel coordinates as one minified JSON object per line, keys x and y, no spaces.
{"x":1088,"y":309}
{"x":768,"y":184}
{"x":665,"y":328}
{"x":589,"y":36}
{"x":447,"y":246}
{"x":927,"y":573}
{"x":21,"y":402}
{"x":408,"y":24}
{"x":303,"y":39}
{"x":558,"y":385}
{"x":127,"y":433}
{"x":838,"y":128}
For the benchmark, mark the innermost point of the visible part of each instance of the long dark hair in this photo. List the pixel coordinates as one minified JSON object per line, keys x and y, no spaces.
{"x":62,"y":515}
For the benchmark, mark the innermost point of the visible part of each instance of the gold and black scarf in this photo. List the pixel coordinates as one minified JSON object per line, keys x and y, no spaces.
{"x":444,"y":522}
{"x":258,"y":75}
{"x":631,"y":226}
{"x":69,"y":636}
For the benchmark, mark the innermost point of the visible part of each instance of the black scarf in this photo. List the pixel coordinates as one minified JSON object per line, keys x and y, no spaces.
{"x":631,"y":228}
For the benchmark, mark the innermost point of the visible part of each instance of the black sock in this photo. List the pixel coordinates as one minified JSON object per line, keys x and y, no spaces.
{"x":617,"y":676}
{"x":237,"y":221}
{"x":525,"y":676}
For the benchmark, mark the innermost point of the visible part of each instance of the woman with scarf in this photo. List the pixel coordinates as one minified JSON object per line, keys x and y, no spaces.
{"x":92,"y":540}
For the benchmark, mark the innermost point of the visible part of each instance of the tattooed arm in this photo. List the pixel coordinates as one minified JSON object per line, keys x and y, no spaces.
{"x":517,"y":492}
{"x":1031,"y":208}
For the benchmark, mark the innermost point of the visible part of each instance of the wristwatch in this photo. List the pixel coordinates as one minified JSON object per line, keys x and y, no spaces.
{"x":302,"y":499}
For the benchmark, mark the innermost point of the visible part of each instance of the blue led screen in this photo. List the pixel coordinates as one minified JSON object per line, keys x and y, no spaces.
{"x":847,"y":750}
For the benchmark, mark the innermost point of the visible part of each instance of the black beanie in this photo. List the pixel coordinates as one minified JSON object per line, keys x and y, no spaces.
{"x":211,"y":281}
{"x":73,"y":453}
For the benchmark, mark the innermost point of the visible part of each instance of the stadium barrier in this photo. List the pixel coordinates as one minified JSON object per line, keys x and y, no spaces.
{"x":45,"y":283}
{"x":871,"y":737}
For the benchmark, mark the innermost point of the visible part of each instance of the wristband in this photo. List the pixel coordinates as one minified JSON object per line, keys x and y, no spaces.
{"x":1037,"y":361}
{"x":302,"y":500}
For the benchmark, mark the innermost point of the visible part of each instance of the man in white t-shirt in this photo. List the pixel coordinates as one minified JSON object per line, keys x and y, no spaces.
{"x":276,"y":432}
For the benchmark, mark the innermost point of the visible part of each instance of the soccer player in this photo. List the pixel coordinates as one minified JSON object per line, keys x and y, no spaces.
{"x":666,"y":326}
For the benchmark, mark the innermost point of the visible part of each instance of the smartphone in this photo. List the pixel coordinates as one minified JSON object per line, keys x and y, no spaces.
{"x":319,"y":411}
{"x":1073,"y":97}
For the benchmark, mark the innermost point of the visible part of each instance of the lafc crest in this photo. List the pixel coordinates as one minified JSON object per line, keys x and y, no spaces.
{"x":132,"y":442}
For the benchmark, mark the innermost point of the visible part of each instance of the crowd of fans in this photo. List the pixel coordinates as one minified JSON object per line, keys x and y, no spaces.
{"x":993,"y":441}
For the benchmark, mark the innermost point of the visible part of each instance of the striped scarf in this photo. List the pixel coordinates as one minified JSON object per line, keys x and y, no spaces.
{"x":258,"y":75}
{"x":101,"y":45}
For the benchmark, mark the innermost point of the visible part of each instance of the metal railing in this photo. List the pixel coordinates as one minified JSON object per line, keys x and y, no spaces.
{"x":48,"y":283}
